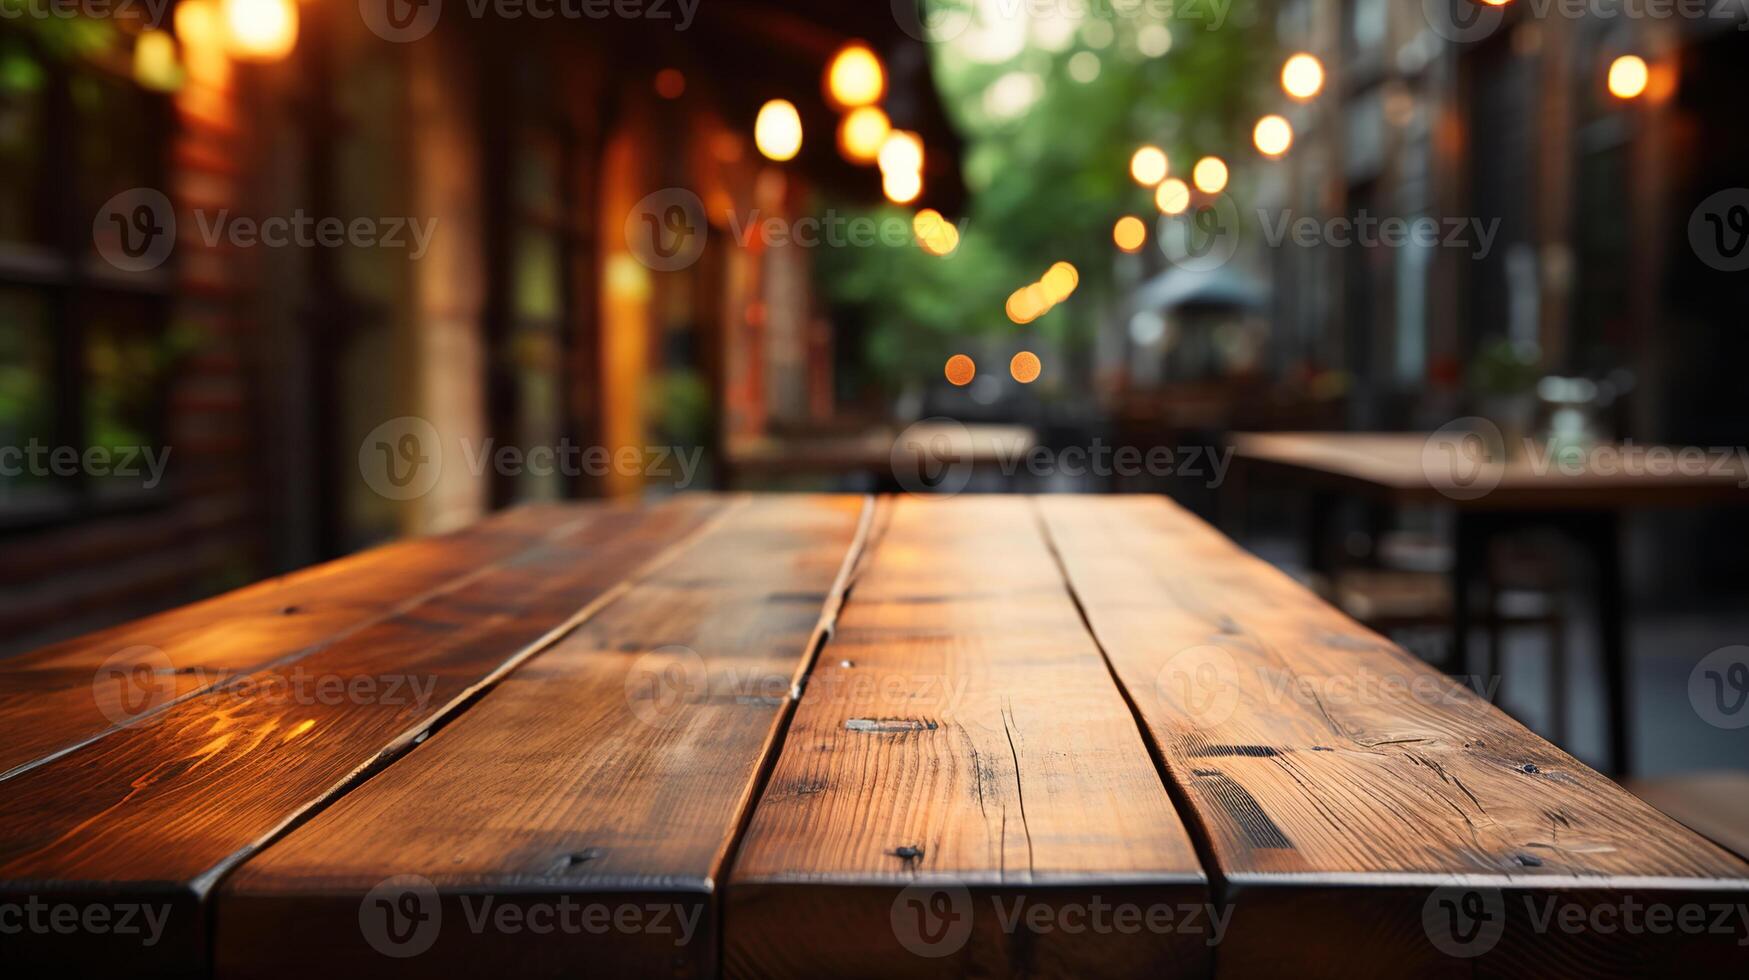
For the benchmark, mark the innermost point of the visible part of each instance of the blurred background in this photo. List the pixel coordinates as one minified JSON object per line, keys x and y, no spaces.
{"x":315,"y":265}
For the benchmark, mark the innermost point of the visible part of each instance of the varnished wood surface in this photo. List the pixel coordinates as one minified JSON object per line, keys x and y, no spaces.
{"x":1404,"y":468}
{"x":61,"y":696}
{"x":1336,"y":781}
{"x":1025,"y":713}
{"x":612,"y":771}
{"x":961,"y":745}
{"x":165,"y":806}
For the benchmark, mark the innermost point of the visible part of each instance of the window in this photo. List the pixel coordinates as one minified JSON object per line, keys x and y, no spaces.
{"x":85,"y":353}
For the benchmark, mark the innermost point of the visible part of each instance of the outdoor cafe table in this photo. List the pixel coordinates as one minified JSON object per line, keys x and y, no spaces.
{"x":810,"y":736}
{"x":1583,"y":501}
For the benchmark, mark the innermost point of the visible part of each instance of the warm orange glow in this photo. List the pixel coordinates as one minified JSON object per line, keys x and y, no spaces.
{"x":861,"y":133}
{"x":960,"y":370}
{"x":1129,"y":233}
{"x":1302,"y":76}
{"x":155,"y":65}
{"x":1627,"y":76}
{"x":1273,"y":135}
{"x":1025,"y":367}
{"x":935,"y":234}
{"x":201,"y":33}
{"x":902,"y":151}
{"x":670,"y":83}
{"x":1172,"y":197}
{"x":1059,"y":281}
{"x":1026,"y":304}
{"x":901,"y":186}
{"x":778,"y":130}
{"x":855,"y":77}
{"x":261,"y":30}
{"x":1210,"y":175}
{"x":1148,"y":165}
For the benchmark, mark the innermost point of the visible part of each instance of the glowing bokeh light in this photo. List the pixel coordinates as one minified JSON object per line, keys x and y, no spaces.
{"x":1628,"y":75}
{"x":1148,"y":165}
{"x":1302,"y":76}
{"x":862,"y":132}
{"x":855,"y":77}
{"x":1210,"y":175}
{"x":1025,"y":367}
{"x":1172,"y":197}
{"x":1129,"y":234}
{"x":1272,"y":135}
{"x":778,"y":130}
{"x":960,"y":370}
{"x":260,"y":30}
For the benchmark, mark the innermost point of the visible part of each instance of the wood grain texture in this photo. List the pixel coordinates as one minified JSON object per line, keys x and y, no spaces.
{"x":160,"y":809}
{"x":1403,"y":468}
{"x":610,"y":773}
{"x":56,"y":698}
{"x":1343,"y":789}
{"x":960,"y":747}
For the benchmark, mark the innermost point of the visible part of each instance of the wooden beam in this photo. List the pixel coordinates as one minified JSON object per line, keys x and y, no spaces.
{"x":574,"y":821}
{"x":963,"y":790}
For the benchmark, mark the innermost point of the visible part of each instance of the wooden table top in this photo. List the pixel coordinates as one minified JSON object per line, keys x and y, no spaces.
{"x":810,"y":736}
{"x":1443,"y":467}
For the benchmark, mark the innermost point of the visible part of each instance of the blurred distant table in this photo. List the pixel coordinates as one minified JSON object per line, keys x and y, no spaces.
{"x":1491,"y":498}
{"x":925,"y":452}
{"x":808,"y":736}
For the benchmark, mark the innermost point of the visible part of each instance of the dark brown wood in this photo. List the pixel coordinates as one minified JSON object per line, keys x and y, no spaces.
{"x":962,"y":790}
{"x":610,"y":774}
{"x":1357,"y":806}
{"x":157,"y":811}
{"x":57,"y":698}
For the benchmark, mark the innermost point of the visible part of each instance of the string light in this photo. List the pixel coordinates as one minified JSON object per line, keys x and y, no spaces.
{"x":1148,"y":165}
{"x":1172,"y":197}
{"x":1273,"y":135}
{"x":778,"y":130}
{"x":1628,"y":75}
{"x":1129,"y":233}
{"x":1302,"y":76}
{"x":855,"y":77}
{"x":1209,"y":175}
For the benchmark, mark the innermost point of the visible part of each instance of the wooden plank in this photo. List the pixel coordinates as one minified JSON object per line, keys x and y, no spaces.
{"x":594,"y":792}
{"x":963,"y":790}
{"x":1342,"y":788}
{"x":154,"y":813}
{"x":61,"y":696}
